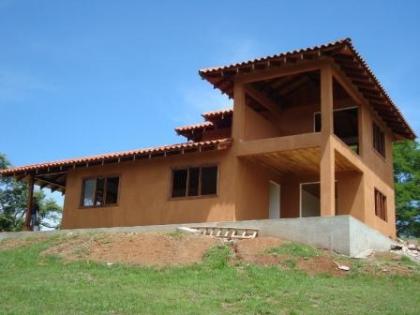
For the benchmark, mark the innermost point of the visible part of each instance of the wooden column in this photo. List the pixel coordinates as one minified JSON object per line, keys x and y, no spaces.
{"x":236,"y":167}
{"x":327,"y":167}
{"x":29,"y":204}
{"x":239,"y":113}
{"x":365,"y":138}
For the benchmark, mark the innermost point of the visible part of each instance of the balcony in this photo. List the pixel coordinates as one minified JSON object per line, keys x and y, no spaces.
{"x":298,"y":154}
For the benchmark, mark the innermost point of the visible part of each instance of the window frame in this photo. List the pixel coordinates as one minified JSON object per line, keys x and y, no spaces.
{"x":381,"y":213}
{"x":187,"y":167}
{"x":104,"y":205}
{"x":378,"y":127}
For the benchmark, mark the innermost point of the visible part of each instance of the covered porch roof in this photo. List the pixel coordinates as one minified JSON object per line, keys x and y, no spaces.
{"x":340,"y":53}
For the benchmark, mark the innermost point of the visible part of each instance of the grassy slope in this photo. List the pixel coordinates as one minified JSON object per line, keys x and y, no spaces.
{"x":33,"y":284}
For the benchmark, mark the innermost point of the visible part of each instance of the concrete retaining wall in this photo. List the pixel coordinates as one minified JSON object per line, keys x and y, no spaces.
{"x":342,"y":234}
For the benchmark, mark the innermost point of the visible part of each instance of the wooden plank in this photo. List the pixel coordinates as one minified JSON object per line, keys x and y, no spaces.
{"x":300,"y":161}
{"x":278,"y":144}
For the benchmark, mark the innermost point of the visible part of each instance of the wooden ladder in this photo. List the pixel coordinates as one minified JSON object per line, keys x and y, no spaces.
{"x":228,"y":233}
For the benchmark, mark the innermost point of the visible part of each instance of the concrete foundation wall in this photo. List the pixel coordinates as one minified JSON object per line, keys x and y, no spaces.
{"x":342,"y":234}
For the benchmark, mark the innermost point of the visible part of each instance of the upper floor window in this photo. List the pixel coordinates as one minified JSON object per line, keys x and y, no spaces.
{"x":194,"y":181}
{"x":100,"y":191}
{"x":378,"y":139}
{"x":380,"y":205}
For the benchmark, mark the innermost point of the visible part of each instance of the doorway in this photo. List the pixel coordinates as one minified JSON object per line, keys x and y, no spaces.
{"x":310,"y":200}
{"x":274,"y":201}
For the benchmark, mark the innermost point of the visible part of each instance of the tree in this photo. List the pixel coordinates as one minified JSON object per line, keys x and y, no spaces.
{"x":407,"y":187}
{"x":13,"y":202}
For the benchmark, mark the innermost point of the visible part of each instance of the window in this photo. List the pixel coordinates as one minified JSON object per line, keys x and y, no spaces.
{"x":194,"y":181}
{"x":380,"y":205}
{"x":100,"y":191}
{"x":378,"y":139}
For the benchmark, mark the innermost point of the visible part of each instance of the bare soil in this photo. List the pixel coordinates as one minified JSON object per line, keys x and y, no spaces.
{"x":160,"y":250}
{"x":255,"y":250}
{"x":320,"y":264}
{"x":148,"y":249}
{"x":12,"y":243}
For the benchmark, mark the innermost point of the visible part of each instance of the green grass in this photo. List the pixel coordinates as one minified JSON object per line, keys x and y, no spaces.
{"x":294,"y":250}
{"x":31,"y":283}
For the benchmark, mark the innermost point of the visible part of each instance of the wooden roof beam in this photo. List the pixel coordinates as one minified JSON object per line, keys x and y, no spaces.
{"x":285,"y":70}
{"x":294,"y":84}
{"x":348,"y":86}
{"x":48,"y":183}
{"x":263,"y":100}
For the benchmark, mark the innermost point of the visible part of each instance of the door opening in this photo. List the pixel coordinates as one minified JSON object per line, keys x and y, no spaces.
{"x":274,"y":203}
{"x":310,"y":201}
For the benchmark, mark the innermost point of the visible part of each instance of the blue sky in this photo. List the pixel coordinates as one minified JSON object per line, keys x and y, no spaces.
{"x":88,"y":77}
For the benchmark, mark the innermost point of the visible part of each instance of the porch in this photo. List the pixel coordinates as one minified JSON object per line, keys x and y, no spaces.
{"x":293,"y":184}
{"x":304,"y":125}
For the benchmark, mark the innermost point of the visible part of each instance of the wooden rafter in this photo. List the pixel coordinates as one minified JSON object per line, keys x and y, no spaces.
{"x":263,"y":100}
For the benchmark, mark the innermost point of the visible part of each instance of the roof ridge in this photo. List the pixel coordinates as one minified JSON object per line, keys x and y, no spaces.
{"x":280,"y":54}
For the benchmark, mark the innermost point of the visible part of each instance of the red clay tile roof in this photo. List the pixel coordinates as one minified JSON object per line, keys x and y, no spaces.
{"x":219,"y":144}
{"x":344,"y":55}
{"x":217,"y":113}
{"x":234,"y":66}
{"x":203,"y":125}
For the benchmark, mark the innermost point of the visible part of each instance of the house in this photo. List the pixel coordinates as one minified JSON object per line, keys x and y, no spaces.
{"x":310,"y":134}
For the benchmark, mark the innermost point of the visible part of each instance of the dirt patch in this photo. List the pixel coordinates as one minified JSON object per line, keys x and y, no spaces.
{"x":148,"y":249}
{"x":13,"y":243}
{"x":254,"y":250}
{"x":159,"y":250}
{"x":319,"y":265}
{"x":387,"y":263}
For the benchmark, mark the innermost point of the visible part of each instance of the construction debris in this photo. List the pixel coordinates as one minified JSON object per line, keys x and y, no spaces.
{"x":407,"y":248}
{"x":396,"y":247}
{"x":342,"y":267}
{"x":221,"y":232}
{"x":412,"y":247}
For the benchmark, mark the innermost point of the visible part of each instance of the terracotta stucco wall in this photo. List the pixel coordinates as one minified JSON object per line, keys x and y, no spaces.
{"x":253,"y":194}
{"x":144,"y":196}
{"x":258,"y":127}
{"x":378,"y":174}
{"x":243,"y":186}
{"x":293,"y":120}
